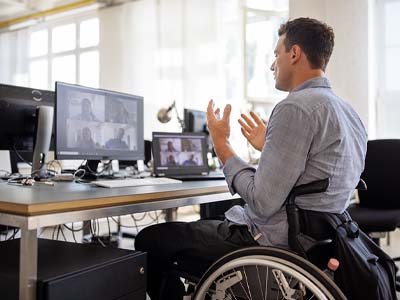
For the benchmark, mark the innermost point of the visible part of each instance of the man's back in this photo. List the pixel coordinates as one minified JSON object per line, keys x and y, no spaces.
{"x":338,"y":147}
{"x":312,"y":135}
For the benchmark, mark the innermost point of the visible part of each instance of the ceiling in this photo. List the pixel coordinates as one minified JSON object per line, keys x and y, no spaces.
{"x":10,"y":9}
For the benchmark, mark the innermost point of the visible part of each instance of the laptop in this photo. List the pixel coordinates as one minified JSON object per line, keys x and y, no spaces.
{"x":182,"y":156}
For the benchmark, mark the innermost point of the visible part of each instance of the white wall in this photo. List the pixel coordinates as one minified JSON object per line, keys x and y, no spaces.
{"x":5,"y":164}
{"x":349,"y":65}
{"x":128,"y":43}
{"x":162,"y":50}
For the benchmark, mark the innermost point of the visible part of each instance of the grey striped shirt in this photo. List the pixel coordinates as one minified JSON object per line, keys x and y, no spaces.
{"x":311,"y":135}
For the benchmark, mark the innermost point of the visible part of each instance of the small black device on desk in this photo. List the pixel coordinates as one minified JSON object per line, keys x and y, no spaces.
{"x":182,"y":156}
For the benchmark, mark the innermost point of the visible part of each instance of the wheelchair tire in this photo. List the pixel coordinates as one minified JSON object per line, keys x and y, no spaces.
{"x":306,"y":281}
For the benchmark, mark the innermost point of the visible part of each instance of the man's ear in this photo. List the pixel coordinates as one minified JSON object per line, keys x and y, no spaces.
{"x":295,"y":54}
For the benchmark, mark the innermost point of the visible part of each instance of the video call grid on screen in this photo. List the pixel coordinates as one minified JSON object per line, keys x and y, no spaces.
{"x":180,"y":152}
{"x":98,"y":124}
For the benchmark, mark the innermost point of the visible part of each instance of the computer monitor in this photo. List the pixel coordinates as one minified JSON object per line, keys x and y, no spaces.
{"x":195,"y":120}
{"x":95,"y":124}
{"x":19,"y":122}
{"x":18,"y":116}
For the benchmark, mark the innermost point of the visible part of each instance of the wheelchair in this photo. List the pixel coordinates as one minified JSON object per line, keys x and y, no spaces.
{"x":265,"y":273}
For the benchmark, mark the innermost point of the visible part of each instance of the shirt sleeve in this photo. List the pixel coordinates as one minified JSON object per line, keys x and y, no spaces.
{"x":283,"y":160}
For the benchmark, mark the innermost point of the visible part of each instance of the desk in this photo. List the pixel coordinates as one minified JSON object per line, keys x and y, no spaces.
{"x":32,"y":207}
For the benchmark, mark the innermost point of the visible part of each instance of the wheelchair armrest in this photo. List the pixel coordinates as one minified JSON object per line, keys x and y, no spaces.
{"x":361,"y":186}
{"x":318,"y":186}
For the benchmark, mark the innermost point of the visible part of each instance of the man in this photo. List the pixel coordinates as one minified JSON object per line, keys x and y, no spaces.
{"x":117,"y":143}
{"x":190,"y":161}
{"x":311,"y":135}
{"x":171,"y":162}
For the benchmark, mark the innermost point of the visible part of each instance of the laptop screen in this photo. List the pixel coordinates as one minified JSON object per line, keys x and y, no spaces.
{"x":179,"y":153}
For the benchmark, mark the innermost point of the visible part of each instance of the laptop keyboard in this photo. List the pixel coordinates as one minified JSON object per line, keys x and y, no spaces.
{"x":131,"y":182}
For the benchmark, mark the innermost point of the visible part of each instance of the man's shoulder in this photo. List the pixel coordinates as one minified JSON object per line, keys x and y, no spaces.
{"x":311,"y":100}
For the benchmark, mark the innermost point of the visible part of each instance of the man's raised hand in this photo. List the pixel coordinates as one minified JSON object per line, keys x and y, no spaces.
{"x":253,"y":130}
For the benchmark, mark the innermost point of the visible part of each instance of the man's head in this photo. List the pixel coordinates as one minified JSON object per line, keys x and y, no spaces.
{"x":86,"y":134}
{"x":86,"y":106}
{"x":303,"y":50}
{"x":120,"y":133}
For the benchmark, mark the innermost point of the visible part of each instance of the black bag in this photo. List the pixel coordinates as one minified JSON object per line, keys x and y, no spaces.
{"x":365,"y":270}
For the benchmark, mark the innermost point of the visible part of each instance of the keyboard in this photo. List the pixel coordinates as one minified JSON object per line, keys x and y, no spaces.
{"x":115,"y":183}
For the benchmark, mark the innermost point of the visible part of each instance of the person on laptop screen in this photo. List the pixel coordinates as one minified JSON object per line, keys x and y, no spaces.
{"x":171,"y":162}
{"x":190,"y":161}
{"x":170,"y":147}
{"x":311,"y":135}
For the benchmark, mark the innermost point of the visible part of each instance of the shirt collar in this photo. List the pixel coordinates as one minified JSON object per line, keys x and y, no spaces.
{"x":313,"y":83}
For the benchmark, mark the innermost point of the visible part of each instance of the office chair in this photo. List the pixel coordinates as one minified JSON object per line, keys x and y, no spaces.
{"x":379,"y":207}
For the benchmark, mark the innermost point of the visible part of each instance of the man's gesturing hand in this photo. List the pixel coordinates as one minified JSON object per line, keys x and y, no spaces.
{"x":255,"y":131}
{"x":220,"y":129}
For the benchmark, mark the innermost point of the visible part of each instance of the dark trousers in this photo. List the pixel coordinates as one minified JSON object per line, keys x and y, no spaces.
{"x":206,"y":240}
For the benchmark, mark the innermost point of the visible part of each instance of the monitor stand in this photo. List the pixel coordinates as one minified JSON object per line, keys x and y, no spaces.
{"x":43,"y":129}
{"x":90,"y":170}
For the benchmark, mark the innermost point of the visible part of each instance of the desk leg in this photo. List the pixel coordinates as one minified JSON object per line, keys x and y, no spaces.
{"x":28,"y":264}
{"x":171,"y":214}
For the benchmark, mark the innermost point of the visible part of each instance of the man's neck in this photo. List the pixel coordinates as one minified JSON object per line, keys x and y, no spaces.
{"x":304,"y":76}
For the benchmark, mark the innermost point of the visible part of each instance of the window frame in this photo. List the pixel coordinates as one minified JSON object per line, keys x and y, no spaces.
{"x":383,"y":96}
{"x":50,"y":56}
{"x":262,"y":15}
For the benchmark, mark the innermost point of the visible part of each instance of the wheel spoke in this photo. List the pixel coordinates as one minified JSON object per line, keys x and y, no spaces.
{"x":253,"y":267}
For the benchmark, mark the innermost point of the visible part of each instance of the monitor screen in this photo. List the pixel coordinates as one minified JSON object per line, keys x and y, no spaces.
{"x":97,"y":124}
{"x":179,"y":153}
{"x":195,"y":120}
{"x":18,"y":116}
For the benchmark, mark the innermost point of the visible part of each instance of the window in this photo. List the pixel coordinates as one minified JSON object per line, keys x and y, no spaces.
{"x":263,"y":19}
{"x":64,"y":51}
{"x":388,"y":64}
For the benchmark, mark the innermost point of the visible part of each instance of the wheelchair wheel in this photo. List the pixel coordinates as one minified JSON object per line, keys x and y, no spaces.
{"x":265,"y":273}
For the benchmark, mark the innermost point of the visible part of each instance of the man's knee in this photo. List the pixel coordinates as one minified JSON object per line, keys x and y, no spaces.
{"x":156,"y":236}
{"x":145,"y":238}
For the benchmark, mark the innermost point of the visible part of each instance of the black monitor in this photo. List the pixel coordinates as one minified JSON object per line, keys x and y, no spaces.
{"x":96,"y":124}
{"x":18,"y":116}
{"x":195,"y":120}
{"x":18,"y":121}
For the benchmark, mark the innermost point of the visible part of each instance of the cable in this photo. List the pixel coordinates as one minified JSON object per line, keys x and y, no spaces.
{"x":16,"y":230}
{"x":53,"y":234}
{"x":51,"y":164}
{"x":58,"y":232}
{"x":5,"y":173}
{"x":20,"y":156}
{"x":62,"y":232}
{"x":138,"y":219}
{"x":73,"y":233}
{"x":109,"y":228}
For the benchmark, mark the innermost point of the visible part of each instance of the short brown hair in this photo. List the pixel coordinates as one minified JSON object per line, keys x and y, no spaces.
{"x":315,"y":38}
